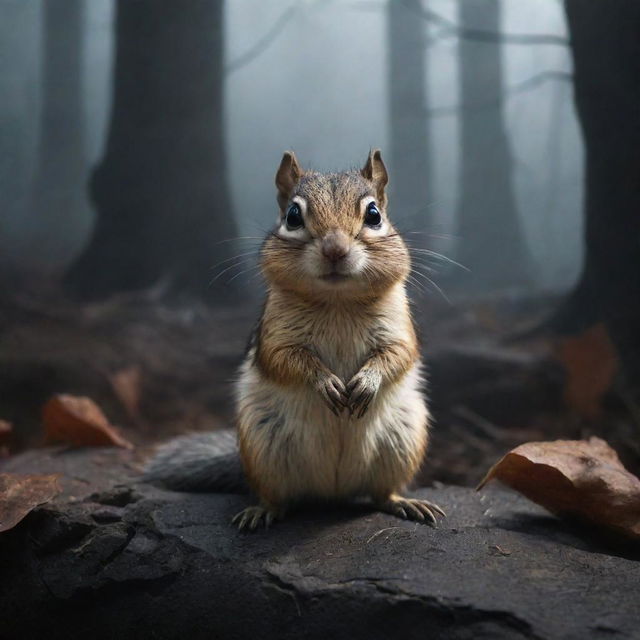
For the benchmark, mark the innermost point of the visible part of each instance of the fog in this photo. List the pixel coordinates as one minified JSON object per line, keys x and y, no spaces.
{"x":314,"y":77}
{"x":139,"y":145}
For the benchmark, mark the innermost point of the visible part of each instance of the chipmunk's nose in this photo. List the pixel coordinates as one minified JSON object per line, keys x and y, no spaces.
{"x":335,"y":245}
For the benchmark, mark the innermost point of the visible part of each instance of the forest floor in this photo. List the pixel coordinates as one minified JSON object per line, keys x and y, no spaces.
{"x":158,"y":370}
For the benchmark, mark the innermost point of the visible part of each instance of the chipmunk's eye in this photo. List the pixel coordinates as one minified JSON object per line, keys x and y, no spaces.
{"x":294,"y":217}
{"x":372,"y":217}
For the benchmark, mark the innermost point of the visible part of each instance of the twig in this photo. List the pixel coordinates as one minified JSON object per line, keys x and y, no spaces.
{"x":451,"y":28}
{"x":267,"y":39}
{"x":263,"y":43}
{"x":509,"y":92}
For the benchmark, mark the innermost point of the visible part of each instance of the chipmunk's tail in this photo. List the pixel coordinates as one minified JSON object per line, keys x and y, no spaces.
{"x":198,"y":462}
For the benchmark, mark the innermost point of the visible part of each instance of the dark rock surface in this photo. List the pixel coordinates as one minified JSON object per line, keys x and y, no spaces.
{"x":111,"y":558}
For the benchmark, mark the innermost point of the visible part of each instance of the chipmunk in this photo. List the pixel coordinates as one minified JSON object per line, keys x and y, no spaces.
{"x":329,"y":400}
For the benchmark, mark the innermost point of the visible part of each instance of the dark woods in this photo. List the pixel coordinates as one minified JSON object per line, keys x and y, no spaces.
{"x":605,"y":45}
{"x":139,"y":142}
{"x":173,"y":209}
{"x":160,"y":191}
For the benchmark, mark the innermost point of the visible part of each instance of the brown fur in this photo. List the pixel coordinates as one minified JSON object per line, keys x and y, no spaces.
{"x":336,"y":345}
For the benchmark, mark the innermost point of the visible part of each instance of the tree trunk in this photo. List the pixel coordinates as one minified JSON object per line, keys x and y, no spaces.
{"x":605,"y":44}
{"x":492,"y":243}
{"x":160,"y":190}
{"x":407,"y":111}
{"x":58,"y":198}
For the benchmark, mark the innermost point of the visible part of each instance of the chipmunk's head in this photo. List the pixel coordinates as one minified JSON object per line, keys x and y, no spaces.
{"x":333,"y":235}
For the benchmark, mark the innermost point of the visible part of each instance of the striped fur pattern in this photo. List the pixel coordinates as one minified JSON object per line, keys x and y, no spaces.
{"x":329,"y":400}
{"x":198,"y":462}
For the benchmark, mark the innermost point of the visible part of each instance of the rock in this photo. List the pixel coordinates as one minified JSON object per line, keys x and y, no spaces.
{"x":505,"y":385}
{"x":111,"y":558}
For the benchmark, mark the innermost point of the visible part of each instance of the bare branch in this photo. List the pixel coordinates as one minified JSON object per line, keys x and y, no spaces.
{"x":509,"y":92}
{"x":453,"y":29}
{"x":263,"y":43}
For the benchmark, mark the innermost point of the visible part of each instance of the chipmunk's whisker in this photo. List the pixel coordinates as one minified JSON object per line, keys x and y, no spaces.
{"x":256,"y":275}
{"x":440,"y":236}
{"x":419,"y":286}
{"x":244,"y":238}
{"x":428,"y":267}
{"x":416,"y":283}
{"x":232,"y":266}
{"x":433,"y":284}
{"x":239,"y":255}
{"x":439,"y":256}
{"x":241,"y":272}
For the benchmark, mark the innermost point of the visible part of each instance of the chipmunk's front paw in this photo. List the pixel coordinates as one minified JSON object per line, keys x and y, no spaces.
{"x":411,"y":509}
{"x":252,"y":517}
{"x":361,"y":389}
{"x":333,"y":392}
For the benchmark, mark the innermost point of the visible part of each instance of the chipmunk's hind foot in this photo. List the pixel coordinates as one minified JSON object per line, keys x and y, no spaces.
{"x":411,"y":509}
{"x":252,"y":517}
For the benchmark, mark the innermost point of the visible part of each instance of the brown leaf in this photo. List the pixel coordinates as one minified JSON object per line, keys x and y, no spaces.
{"x":79,"y":421}
{"x":6,"y":429}
{"x":591,"y":362}
{"x":126,"y":385}
{"x":579,"y":478}
{"x":21,"y":494}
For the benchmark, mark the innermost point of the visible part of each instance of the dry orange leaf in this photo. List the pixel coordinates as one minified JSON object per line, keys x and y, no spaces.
{"x":21,"y":494}
{"x":126,"y":385}
{"x":79,"y":421}
{"x":591,"y":362}
{"x":579,"y":478}
{"x":6,"y":428}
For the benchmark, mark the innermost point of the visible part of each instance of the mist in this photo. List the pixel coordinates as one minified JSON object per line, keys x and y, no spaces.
{"x":314,"y":77}
{"x":333,"y":350}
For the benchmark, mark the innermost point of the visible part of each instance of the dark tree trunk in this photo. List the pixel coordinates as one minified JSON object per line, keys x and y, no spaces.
{"x":160,"y":190}
{"x":18,"y":96}
{"x":58,"y":196}
{"x":605,"y":43}
{"x":409,"y":161}
{"x":492,"y":243}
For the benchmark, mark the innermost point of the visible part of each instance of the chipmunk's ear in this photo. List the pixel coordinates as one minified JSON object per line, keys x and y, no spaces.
{"x":288,"y":176}
{"x":375,"y":171}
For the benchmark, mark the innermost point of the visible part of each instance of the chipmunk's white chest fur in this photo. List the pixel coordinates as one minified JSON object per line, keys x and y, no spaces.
{"x":303,"y":449}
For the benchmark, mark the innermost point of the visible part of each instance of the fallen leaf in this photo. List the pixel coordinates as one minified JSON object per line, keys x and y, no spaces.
{"x":79,"y":421}
{"x":126,"y":384}
{"x":6,"y":429}
{"x":21,"y":494}
{"x":591,"y":362}
{"x":578,"y":478}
